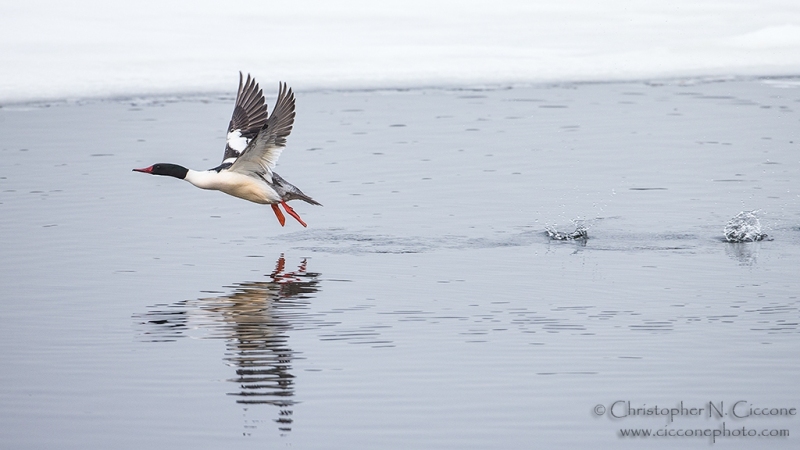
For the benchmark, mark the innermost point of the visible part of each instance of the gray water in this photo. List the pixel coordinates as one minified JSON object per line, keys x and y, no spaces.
{"x":424,"y":306}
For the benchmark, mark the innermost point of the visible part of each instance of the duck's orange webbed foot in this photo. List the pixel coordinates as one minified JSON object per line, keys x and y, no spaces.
{"x":278,"y":214}
{"x":291,"y":212}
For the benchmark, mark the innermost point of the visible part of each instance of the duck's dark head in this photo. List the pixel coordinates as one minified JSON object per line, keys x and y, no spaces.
{"x":170,"y":170}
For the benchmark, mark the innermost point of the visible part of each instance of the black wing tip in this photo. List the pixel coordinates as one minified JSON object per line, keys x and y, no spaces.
{"x":250,"y":108}
{"x":284,"y":88}
{"x":284,"y":91}
{"x":247,"y":88}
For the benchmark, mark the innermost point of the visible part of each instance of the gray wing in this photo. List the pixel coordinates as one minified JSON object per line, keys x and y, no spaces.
{"x":249,"y":116}
{"x":261,"y":155}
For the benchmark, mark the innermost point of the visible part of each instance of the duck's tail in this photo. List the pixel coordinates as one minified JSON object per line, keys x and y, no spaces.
{"x":289,"y":191}
{"x":300,"y":196}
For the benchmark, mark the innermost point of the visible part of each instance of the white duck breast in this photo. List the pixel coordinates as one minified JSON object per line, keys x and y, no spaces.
{"x":253,"y":145}
{"x":235,"y":184}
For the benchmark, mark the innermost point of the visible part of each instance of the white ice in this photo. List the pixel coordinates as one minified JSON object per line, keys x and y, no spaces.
{"x":51,"y":50}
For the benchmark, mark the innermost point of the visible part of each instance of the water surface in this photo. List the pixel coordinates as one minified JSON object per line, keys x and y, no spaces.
{"x":424,"y":306}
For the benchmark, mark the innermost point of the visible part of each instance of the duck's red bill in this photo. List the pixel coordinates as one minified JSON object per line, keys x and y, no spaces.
{"x":145,"y":170}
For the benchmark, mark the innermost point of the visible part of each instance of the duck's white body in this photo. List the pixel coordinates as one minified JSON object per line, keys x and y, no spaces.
{"x":235,"y":184}
{"x":254,"y":144}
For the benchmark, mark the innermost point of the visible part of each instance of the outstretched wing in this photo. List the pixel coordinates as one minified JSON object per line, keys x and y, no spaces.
{"x":249,"y":116}
{"x":261,"y":155}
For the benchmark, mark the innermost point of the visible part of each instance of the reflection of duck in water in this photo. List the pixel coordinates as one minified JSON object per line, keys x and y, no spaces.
{"x":255,"y":320}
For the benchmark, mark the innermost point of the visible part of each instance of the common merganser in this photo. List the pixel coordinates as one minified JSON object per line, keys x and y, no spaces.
{"x":253,"y":147}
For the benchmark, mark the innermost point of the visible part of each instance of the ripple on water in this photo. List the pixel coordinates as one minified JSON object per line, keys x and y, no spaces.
{"x":337,"y":241}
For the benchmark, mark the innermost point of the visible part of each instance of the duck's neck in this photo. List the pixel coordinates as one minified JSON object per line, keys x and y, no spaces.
{"x":207,"y":179}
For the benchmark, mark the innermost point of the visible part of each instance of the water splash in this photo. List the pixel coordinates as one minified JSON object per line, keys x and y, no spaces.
{"x":581,"y":232}
{"x":744,"y":227}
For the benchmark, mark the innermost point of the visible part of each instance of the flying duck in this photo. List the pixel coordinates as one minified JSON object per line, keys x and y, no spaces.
{"x":252,"y":149}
